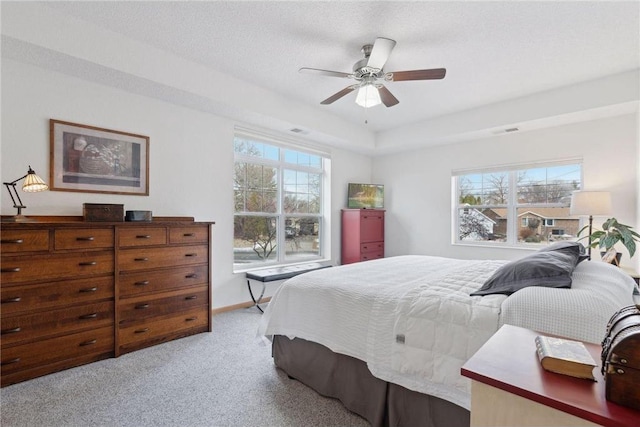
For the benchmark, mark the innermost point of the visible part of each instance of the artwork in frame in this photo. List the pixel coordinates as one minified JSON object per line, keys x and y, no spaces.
{"x":96,"y":160}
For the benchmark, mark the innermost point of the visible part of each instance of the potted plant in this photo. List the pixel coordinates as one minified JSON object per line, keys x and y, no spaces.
{"x":612,"y":232}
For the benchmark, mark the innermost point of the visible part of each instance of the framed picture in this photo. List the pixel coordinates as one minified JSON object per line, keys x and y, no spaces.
{"x":95,"y":160}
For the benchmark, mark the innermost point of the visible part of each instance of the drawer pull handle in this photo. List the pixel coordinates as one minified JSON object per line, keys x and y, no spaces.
{"x":85,"y":239}
{"x":141,"y":259}
{"x":86,"y":343}
{"x":11,"y":270}
{"x":88,"y":289}
{"x":11,"y":331}
{"x":87,"y":263}
{"x":142,"y":283}
{"x":190,"y":255}
{"x":10,"y":361}
{"x":12,"y":241}
{"x":191,"y":297}
{"x":141,"y":331}
{"x":142,"y":306}
{"x":88,"y":316}
{"x":190,"y":319}
{"x":191,"y":276}
{"x":188,"y":234}
{"x":143,"y":236}
{"x":8,"y":300}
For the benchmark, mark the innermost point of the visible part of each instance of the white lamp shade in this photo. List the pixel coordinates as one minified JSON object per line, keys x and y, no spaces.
{"x":368,"y":96}
{"x":33,"y":183}
{"x":590,"y":203}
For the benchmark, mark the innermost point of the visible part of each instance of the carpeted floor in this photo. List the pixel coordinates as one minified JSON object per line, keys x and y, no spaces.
{"x":223,"y":378}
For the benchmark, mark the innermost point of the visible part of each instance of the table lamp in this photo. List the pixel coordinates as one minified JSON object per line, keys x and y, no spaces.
{"x":590,"y":203}
{"x":32,"y":183}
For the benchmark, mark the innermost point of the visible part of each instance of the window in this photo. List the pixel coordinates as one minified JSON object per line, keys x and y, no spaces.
{"x":278,"y":206}
{"x":515,"y":205}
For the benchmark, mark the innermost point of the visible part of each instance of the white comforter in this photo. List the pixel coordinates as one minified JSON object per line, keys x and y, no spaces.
{"x":412,"y":320}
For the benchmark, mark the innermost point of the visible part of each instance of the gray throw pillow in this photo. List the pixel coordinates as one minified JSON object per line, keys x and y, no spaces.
{"x":551,"y":267}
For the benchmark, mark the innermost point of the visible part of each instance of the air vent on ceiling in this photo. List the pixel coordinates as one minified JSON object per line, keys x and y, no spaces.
{"x":298,"y":130}
{"x":506,"y":130}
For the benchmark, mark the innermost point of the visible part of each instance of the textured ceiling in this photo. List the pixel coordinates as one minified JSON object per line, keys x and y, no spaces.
{"x":493,"y":51}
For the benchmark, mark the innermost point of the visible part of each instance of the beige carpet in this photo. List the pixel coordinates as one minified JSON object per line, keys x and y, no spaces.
{"x":223,"y":378}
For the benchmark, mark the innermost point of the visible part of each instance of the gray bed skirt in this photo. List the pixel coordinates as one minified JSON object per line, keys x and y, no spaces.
{"x":349,"y":380}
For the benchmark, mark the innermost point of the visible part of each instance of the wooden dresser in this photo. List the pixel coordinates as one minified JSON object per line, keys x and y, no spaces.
{"x":73,"y":292}
{"x":362,"y":235}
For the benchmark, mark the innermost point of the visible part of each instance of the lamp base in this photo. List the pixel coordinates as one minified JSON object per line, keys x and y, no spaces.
{"x":17,"y":218}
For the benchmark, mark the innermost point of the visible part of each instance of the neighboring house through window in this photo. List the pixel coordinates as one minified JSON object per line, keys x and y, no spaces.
{"x":519,"y":204}
{"x":279,"y":192}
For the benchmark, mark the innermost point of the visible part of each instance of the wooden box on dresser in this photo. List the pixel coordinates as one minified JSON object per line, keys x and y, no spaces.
{"x":362,"y":235}
{"x":67,"y":295}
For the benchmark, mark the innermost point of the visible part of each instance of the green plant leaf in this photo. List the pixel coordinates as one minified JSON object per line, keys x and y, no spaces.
{"x":586,"y":227}
{"x":608,"y":223}
{"x":609,"y":240}
{"x":631,"y":247}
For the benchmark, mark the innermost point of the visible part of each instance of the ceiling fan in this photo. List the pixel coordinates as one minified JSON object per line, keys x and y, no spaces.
{"x":369,"y":71}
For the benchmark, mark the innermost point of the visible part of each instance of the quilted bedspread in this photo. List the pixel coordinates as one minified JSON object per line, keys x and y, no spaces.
{"x":411,"y":319}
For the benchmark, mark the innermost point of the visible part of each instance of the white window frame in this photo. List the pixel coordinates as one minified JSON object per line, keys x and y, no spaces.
{"x":512,"y":204}
{"x":549,"y":222}
{"x":284,"y":143}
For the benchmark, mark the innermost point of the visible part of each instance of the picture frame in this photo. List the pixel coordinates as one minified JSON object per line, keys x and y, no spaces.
{"x":96,"y":160}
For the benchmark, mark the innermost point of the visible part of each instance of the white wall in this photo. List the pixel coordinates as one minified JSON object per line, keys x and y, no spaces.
{"x":186,"y":147}
{"x":418,"y":183}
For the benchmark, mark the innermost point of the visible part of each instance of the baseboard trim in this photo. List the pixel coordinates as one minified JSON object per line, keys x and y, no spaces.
{"x":237,"y":306}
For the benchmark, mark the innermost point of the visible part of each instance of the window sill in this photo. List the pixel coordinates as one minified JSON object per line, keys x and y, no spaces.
{"x":525,"y":247}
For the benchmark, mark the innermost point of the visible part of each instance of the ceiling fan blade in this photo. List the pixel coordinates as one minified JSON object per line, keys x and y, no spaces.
{"x":338,"y":95}
{"x":387,"y":97}
{"x":323,"y":72}
{"x":433,"y":74}
{"x":382,"y":48}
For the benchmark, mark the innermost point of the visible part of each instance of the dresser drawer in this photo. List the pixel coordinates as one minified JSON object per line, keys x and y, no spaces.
{"x":90,"y":238}
{"x":139,"y":309}
{"x":158,"y":330}
{"x":148,"y":258}
{"x":131,"y":284}
{"x":19,"y":269}
{"x":52,"y":350}
{"x":188,"y":234}
{"x":45,"y":296}
{"x":28,"y":327}
{"x":15,"y":241}
{"x":371,"y":247}
{"x":371,"y":255}
{"x":141,"y":236}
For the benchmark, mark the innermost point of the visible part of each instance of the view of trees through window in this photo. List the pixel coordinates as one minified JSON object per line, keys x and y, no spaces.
{"x":525,"y":206}
{"x":278,"y":204}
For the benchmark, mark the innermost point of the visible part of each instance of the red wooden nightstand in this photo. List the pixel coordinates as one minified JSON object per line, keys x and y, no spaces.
{"x":510,"y":388}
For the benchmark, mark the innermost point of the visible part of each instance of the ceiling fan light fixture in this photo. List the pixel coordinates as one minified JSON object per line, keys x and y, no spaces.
{"x":368,"y":96}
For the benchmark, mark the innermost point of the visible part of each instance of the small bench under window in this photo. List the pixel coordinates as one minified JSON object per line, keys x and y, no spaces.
{"x":278,"y":273}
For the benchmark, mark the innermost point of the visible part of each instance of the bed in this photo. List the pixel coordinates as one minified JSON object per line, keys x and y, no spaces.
{"x":388,"y":337}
